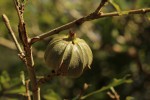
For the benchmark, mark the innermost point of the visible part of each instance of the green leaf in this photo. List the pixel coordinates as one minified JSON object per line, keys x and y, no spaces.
{"x":114,"y":83}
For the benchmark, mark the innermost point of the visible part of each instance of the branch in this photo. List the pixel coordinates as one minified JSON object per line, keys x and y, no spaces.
{"x":114,"y":95}
{"x":19,"y":10}
{"x":90,"y":17}
{"x":28,"y":50}
{"x":69,"y":25}
{"x":21,"y":26}
{"x":7,"y":23}
{"x":47,"y":78}
{"x":100,"y":6}
{"x":27,"y":89}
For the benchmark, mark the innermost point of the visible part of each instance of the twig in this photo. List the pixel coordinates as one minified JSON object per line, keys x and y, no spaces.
{"x":7,"y":23}
{"x":47,"y":78}
{"x":114,"y":95}
{"x":28,"y":51}
{"x":69,"y":25}
{"x":27,"y":89}
{"x":26,"y":84}
{"x":100,"y":6}
{"x":110,"y":95}
{"x":21,"y":26}
{"x":90,"y":17}
{"x":18,"y":8}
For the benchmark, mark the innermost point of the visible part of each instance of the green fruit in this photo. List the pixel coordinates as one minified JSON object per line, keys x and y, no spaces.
{"x":68,"y":55}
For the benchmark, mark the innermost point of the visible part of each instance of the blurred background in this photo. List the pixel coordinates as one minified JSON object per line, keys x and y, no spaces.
{"x":120,"y":45}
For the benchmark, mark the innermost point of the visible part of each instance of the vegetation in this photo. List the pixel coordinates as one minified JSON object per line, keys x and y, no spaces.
{"x":119,"y":42}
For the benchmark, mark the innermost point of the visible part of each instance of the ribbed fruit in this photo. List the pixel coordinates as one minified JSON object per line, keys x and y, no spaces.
{"x":68,"y":55}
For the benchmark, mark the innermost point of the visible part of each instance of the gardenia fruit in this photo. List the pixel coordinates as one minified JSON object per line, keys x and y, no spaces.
{"x":68,"y":55}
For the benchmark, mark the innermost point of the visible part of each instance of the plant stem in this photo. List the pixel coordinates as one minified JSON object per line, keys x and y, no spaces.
{"x":27,"y":89}
{"x":28,"y":60}
{"x":102,"y":3}
{"x":7,"y":23}
{"x":31,"y":71}
{"x":28,"y":50}
{"x":89,"y":17}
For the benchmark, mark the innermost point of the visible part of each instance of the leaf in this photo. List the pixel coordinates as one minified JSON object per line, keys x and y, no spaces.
{"x":114,"y":83}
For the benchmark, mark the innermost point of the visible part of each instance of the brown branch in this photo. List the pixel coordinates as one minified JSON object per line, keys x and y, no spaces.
{"x":69,"y":25}
{"x":7,"y":23}
{"x":27,"y":89}
{"x":28,"y":50}
{"x":21,"y":26}
{"x":90,"y":17}
{"x":47,"y":78}
{"x":19,"y":12}
{"x":100,"y":6}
